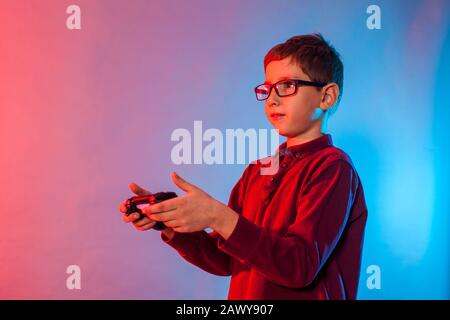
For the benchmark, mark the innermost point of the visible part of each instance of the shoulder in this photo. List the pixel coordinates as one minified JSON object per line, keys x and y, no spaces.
{"x":333,"y":154}
{"x":330,"y":160}
{"x":330,"y":157}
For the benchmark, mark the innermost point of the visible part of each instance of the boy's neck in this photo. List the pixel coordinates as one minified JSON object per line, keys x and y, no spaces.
{"x":317,"y":130}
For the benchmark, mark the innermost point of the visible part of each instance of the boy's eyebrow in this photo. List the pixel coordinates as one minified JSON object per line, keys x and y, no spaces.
{"x":281,"y":78}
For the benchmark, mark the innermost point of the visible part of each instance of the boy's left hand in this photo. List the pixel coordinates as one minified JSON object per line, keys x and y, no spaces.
{"x":193,"y":211}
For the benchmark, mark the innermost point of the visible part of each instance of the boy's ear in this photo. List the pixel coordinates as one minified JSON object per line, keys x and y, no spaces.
{"x":330,"y":94}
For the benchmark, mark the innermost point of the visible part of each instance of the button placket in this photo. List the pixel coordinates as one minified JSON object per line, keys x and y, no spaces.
{"x":271,"y":184}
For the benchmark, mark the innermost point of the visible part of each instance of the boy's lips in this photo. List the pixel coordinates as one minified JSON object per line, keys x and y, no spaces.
{"x":277,"y":116}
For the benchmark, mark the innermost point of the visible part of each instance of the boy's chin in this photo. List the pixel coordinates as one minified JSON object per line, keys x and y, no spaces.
{"x":283,"y":132}
{"x":288,"y":131}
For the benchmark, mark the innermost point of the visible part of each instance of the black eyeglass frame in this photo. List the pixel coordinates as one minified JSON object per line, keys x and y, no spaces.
{"x":297,"y":83}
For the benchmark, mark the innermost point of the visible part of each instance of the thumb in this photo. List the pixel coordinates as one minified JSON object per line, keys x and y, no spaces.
{"x":182,"y":184}
{"x":136,"y":189}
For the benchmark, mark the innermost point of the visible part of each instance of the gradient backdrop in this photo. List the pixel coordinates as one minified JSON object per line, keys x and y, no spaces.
{"x":85,"y":112}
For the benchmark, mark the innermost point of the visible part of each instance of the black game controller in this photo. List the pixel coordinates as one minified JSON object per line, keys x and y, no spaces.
{"x":133,"y":202}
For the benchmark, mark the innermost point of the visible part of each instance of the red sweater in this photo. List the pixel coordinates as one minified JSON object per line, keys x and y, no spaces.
{"x":300,"y":231}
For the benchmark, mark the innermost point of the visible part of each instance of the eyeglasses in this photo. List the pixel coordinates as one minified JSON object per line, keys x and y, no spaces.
{"x":283,"y":88}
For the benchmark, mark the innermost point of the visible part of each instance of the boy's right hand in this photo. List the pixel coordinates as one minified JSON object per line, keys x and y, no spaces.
{"x":140,"y":224}
{"x":145,"y":223}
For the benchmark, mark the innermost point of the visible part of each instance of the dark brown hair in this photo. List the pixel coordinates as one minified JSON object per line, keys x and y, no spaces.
{"x":315,"y":56}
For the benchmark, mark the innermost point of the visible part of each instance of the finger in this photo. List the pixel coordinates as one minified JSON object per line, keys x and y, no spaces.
{"x":142,"y":222}
{"x":182,"y":184}
{"x":131,"y":218}
{"x":138,"y":190}
{"x":165,"y":216}
{"x":166,"y":206}
{"x":123,"y":207}
{"x":147,"y":226}
{"x":172,"y":223}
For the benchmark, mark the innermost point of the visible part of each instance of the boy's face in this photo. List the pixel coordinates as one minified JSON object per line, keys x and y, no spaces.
{"x":298,"y":114}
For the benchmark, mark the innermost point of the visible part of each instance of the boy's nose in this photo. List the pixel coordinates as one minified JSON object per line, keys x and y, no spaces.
{"x":273,"y":100}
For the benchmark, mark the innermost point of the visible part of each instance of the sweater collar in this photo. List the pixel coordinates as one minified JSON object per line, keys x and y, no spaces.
{"x":302,"y":150}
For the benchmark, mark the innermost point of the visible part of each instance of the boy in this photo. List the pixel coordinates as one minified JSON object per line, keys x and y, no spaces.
{"x":297,"y":234}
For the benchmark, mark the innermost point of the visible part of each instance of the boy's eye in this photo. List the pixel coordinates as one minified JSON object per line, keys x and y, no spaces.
{"x":262,"y":90}
{"x":286,"y":87}
{"x":287,"y":84}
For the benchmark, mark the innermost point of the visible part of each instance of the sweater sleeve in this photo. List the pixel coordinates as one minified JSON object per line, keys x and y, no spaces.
{"x":201,"y":248}
{"x":293,"y":259}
